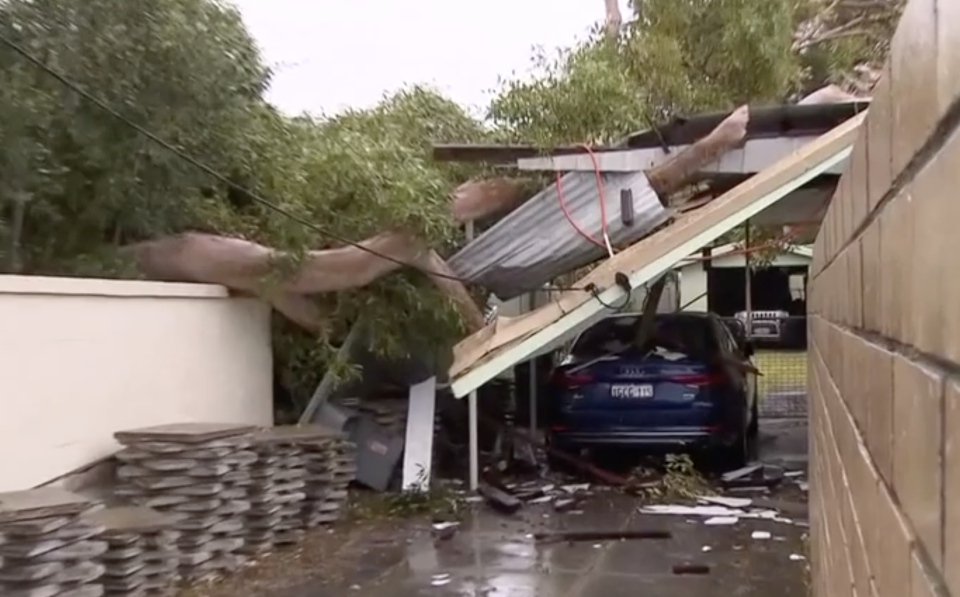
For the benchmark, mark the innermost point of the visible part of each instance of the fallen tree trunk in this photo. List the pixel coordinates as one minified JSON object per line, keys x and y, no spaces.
{"x":246,"y":266}
{"x":613,"y":20}
{"x":286,"y":280}
{"x":478,"y":198}
{"x":680,"y":170}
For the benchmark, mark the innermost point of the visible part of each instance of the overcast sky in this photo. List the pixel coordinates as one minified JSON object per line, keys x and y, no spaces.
{"x":331,"y":54}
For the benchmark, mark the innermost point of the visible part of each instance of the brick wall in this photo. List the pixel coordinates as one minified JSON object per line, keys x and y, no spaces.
{"x":885,"y":334}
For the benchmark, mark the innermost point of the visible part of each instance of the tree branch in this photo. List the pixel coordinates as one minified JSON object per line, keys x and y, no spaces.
{"x":682,"y":167}
{"x":614,"y":20}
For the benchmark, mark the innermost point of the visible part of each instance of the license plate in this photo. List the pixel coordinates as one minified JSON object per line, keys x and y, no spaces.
{"x":631,"y":391}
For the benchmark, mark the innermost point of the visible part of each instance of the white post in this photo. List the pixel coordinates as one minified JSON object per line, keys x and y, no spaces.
{"x":474,"y":442}
{"x":418,"y":447}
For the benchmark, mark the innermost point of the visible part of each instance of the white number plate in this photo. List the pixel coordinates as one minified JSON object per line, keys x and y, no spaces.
{"x":631,"y":391}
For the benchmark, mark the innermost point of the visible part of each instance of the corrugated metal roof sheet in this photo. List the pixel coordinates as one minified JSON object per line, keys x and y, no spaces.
{"x":535,"y":243}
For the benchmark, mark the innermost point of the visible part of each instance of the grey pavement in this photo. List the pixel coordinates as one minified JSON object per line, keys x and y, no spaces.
{"x":494,"y":558}
{"x":494,"y":555}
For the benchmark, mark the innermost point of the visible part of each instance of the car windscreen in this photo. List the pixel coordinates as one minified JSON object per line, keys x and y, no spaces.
{"x":691,"y":336}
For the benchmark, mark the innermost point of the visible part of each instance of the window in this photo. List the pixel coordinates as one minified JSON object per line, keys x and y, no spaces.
{"x":690,"y":335}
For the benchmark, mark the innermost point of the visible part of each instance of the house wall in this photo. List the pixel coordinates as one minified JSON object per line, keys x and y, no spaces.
{"x":885,"y":334}
{"x":693,"y":284}
{"x":693,"y":278}
{"x":81,"y":359}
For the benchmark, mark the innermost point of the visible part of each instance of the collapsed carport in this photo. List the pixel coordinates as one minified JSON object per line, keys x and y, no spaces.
{"x":509,"y":341}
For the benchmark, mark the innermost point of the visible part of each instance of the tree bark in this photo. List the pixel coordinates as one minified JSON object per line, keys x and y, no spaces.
{"x":613,"y":20}
{"x":242,"y":265}
{"x":680,"y":170}
{"x":479,"y":198}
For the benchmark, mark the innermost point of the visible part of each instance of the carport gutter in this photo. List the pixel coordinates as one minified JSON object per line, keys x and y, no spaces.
{"x":808,"y":166}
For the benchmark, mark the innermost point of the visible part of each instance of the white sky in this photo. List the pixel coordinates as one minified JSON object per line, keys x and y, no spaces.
{"x":331,"y":54}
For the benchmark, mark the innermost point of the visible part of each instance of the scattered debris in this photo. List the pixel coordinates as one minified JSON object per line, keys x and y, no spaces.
{"x":794,"y":509}
{"x":706,"y":549}
{"x":691,"y":569}
{"x":439,"y":580}
{"x":749,"y":489}
{"x":614,"y":535}
{"x":740,"y":473}
{"x":760,"y":535}
{"x":730,"y":502}
{"x":445,"y":530}
{"x":754,"y":475}
{"x":795,"y":557}
{"x":500,"y":500}
{"x":678,"y":480}
{"x":715,"y":512}
{"x":681,"y":510}
{"x":721,"y":520}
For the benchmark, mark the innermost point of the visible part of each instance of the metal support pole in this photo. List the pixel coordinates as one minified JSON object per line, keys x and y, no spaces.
{"x":472,"y":407}
{"x":533,"y":398}
{"x":474,"y":441}
{"x":326,"y":386}
{"x":748,"y":288}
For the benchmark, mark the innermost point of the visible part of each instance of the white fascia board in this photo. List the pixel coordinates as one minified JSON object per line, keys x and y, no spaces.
{"x":593,"y":310}
{"x":754,"y":156}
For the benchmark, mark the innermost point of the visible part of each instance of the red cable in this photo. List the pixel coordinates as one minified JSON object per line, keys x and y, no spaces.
{"x":603,"y":216}
{"x":603,"y":208}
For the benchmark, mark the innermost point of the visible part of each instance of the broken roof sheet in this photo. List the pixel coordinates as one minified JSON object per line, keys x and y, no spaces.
{"x":535,"y":243}
{"x":755,"y":155}
{"x":509,"y":341}
{"x":765,"y":123}
{"x":792,"y":120}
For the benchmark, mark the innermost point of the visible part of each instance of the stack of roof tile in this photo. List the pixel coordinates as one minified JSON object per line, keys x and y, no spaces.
{"x":202,"y":471}
{"x":331,"y":466}
{"x":47,"y":547}
{"x":277,"y":492}
{"x":141,"y":559}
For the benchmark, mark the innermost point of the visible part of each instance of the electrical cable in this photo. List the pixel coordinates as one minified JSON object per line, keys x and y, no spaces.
{"x":623,"y":281}
{"x":63,"y":79}
{"x":598,"y":174}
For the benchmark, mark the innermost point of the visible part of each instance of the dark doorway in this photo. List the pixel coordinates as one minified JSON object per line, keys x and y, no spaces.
{"x":770,"y":290}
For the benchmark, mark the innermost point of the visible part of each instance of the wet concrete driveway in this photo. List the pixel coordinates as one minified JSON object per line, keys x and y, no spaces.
{"x":496,"y":555}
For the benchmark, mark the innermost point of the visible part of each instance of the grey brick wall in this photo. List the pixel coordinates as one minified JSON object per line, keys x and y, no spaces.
{"x":885,"y":334}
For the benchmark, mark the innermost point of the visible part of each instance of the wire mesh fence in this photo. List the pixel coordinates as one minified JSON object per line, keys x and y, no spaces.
{"x":780,"y":343}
